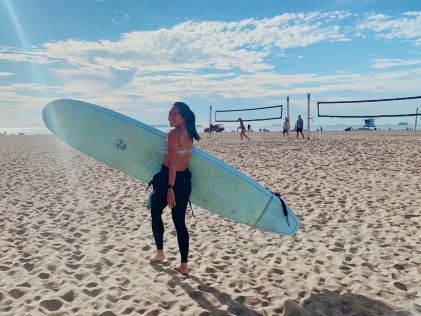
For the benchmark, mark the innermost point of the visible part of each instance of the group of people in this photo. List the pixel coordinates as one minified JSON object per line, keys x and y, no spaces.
{"x":299,"y":126}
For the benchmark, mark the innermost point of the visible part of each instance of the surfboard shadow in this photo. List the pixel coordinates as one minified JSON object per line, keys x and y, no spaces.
{"x":234,"y":307}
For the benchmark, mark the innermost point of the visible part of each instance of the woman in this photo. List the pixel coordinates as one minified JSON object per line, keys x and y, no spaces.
{"x":172,"y":185}
{"x":243,"y":130}
{"x":286,"y":127}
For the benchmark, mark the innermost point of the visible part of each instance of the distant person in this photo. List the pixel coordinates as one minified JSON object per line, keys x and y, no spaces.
{"x":299,"y":125}
{"x":248,"y":128}
{"x":321,"y":129}
{"x":243,"y":129}
{"x":286,"y":127}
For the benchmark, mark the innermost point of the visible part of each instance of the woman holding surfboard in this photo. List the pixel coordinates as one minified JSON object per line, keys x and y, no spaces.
{"x":172,"y":185}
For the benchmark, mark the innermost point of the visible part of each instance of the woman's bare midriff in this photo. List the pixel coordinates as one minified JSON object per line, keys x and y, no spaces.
{"x":182,"y":161}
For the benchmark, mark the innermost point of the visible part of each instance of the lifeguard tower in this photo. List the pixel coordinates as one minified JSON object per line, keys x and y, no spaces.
{"x":368,"y":123}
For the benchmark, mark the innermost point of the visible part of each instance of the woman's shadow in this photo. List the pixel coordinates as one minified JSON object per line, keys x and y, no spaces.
{"x":333,"y":303}
{"x":324,"y":303}
{"x":234,"y":307}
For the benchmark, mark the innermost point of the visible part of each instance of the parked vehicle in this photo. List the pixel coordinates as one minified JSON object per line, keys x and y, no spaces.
{"x":215,"y":128}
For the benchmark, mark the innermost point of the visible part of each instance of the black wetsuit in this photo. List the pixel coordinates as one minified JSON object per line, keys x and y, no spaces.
{"x":182,"y":190}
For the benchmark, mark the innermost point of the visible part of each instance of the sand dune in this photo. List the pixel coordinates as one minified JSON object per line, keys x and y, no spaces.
{"x":75,"y":235}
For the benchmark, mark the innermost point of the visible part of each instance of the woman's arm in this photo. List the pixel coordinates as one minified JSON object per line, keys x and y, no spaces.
{"x":172,"y":157}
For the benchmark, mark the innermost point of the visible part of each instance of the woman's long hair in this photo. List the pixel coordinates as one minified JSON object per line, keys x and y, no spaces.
{"x":190,"y":119}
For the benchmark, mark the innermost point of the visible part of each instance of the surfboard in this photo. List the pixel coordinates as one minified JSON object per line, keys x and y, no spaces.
{"x":136,"y":149}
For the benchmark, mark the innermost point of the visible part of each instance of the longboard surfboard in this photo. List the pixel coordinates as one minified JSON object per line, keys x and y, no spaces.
{"x":136,"y":149}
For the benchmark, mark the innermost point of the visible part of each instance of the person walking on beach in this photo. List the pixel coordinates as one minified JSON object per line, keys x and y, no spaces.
{"x":286,"y":127}
{"x":299,"y":125}
{"x":243,"y":130}
{"x":172,"y":184}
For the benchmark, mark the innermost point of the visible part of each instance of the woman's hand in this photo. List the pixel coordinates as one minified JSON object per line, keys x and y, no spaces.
{"x":170,"y":198}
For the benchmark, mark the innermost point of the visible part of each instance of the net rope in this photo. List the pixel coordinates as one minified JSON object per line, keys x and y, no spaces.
{"x":367,"y":101}
{"x":251,"y":109}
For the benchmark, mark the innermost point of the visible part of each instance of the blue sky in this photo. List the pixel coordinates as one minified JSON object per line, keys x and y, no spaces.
{"x":138,"y":57}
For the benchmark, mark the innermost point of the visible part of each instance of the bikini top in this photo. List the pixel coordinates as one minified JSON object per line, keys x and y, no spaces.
{"x":181,"y":150}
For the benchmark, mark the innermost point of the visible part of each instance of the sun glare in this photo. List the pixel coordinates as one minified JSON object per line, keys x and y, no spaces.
{"x":22,"y":37}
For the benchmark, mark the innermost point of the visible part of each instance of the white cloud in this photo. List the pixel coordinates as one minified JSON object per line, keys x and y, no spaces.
{"x":151,"y":95}
{"x":394,"y":62}
{"x":35,"y":56}
{"x":6,"y":74}
{"x":407,"y":27}
{"x":191,"y":45}
{"x":270,"y":85}
{"x":76,"y":73}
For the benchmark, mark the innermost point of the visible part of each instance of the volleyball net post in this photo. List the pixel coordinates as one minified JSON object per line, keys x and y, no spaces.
{"x":289,"y":119}
{"x":210,"y":121}
{"x":308,"y":116}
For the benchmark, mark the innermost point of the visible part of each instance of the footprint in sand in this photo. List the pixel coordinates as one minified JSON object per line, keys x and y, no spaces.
{"x":44,"y":276}
{"x":400,"y":286}
{"x":15,"y":293}
{"x":92,"y":293}
{"x":51,"y":305}
{"x":69,"y":296}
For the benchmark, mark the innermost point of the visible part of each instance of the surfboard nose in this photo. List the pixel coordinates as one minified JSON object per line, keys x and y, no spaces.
{"x":47,"y":116}
{"x":48,"y":113}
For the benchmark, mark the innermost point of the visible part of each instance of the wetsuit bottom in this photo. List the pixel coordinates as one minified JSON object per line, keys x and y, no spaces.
{"x":182,"y":190}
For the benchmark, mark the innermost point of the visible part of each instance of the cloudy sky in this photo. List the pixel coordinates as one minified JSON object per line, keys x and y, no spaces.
{"x":138,"y":57}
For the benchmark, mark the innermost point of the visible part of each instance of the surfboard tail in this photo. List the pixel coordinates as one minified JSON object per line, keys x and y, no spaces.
{"x":275,"y":221}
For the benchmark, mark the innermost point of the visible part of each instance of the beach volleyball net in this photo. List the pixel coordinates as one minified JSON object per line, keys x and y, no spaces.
{"x":250,"y":114}
{"x":394,"y":107}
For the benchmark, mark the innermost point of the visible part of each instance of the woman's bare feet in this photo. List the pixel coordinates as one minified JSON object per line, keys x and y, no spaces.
{"x":158,"y":256}
{"x":183,"y":268}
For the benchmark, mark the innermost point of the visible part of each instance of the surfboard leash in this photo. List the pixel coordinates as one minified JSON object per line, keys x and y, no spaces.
{"x":191,"y":207}
{"x":284,"y":207}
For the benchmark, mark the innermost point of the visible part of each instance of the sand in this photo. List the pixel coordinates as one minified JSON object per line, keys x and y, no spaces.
{"x":75,"y":235}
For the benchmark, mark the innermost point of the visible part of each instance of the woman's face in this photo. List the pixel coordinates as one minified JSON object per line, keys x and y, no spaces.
{"x":175,"y":119}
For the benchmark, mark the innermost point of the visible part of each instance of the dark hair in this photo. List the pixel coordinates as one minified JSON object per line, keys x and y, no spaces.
{"x":190,"y":119}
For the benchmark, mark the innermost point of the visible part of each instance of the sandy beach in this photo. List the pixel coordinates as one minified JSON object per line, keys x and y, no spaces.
{"x":75,"y":235}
